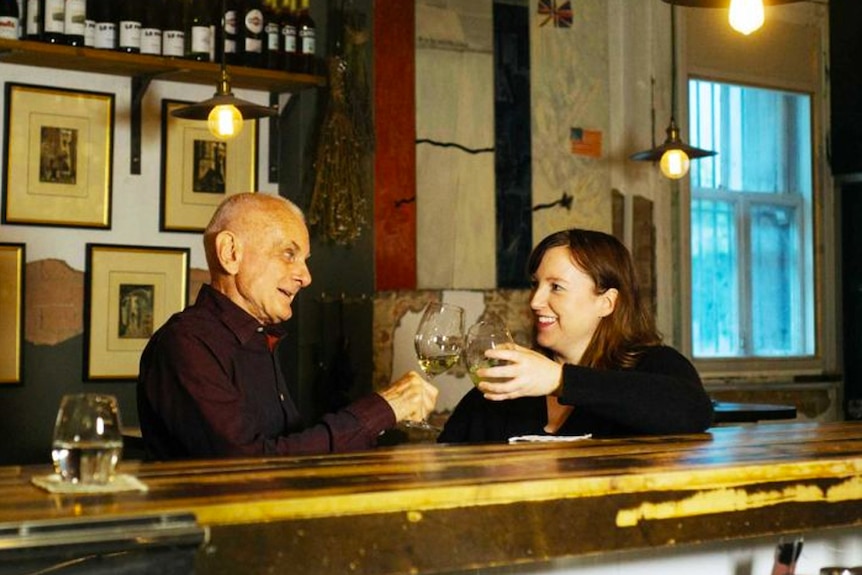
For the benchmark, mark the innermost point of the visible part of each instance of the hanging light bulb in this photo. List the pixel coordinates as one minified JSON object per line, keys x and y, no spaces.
{"x":224,"y":121}
{"x":674,"y":164}
{"x":746,"y":16}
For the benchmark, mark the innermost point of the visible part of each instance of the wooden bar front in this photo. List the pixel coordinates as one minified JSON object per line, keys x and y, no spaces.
{"x":430,"y":508}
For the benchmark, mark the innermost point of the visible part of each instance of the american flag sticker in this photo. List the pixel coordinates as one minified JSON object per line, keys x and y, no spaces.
{"x":586,"y":142}
{"x":560,"y":13}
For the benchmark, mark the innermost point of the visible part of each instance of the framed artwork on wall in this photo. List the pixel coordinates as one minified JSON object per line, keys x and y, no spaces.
{"x":199,"y":170}
{"x":130,"y":292}
{"x":12,"y":263}
{"x":58,"y":150}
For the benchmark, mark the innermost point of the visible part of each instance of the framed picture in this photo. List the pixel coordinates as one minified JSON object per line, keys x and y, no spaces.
{"x":58,"y":146}
{"x":12,"y":263}
{"x":131,"y":291}
{"x":199,"y":171}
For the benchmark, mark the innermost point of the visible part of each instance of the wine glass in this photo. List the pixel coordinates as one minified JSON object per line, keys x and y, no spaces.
{"x":87,"y":438}
{"x":486,"y":334}
{"x":439,"y":339}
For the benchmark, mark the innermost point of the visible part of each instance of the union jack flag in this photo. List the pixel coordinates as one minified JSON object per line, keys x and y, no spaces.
{"x":560,"y":13}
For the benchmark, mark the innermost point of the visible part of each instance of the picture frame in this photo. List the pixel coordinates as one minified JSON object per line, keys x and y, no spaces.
{"x":199,"y":170}
{"x":12,"y":263}
{"x":58,"y":157}
{"x":131,"y":291}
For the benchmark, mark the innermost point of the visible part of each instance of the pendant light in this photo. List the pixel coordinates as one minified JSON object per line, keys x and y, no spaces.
{"x":674,"y":155}
{"x":224,"y":112}
{"x":744,"y":16}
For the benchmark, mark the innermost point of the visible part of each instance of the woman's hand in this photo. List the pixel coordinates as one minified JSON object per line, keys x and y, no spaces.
{"x":528,"y":373}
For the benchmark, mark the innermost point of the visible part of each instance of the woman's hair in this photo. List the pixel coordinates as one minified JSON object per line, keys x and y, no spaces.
{"x":621,"y":336}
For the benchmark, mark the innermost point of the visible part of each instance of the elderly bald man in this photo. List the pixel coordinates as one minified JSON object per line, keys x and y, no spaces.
{"x":209,"y":385}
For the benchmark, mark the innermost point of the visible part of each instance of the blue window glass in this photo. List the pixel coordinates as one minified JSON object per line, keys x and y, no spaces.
{"x":751,"y":214}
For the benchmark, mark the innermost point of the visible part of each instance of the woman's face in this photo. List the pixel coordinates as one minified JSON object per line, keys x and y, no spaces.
{"x":565,"y":305}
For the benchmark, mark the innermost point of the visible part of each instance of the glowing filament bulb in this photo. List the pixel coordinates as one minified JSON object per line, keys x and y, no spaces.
{"x":224,"y":122}
{"x":674,"y":164}
{"x":746,"y":16}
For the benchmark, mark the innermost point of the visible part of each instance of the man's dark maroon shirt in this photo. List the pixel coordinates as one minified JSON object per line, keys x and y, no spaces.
{"x":209,"y":386}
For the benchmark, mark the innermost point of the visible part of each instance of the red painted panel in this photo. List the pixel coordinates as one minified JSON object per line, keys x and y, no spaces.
{"x":395,"y":150}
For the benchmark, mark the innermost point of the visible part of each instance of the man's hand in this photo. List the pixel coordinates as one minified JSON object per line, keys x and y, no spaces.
{"x":411,"y":397}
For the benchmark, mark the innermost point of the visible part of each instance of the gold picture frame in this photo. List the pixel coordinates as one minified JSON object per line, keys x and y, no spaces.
{"x":131,"y":292}
{"x":12,"y":262}
{"x":199,"y":171}
{"x":58,"y":166}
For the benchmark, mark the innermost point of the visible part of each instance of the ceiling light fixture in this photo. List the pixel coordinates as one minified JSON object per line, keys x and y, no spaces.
{"x":674,"y":155}
{"x":224,"y":112}
{"x":744,"y":16}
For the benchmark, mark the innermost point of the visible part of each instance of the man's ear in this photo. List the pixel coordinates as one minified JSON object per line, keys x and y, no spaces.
{"x":609,"y":301}
{"x":228,"y":250}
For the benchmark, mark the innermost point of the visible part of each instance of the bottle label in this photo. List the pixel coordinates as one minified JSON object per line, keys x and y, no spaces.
{"x":151,"y":41}
{"x":306,"y":37}
{"x":76,"y":11}
{"x":229,"y":46}
{"x":289,"y":34}
{"x":253,"y":46}
{"x":272,"y":39}
{"x":90,"y":33}
{"x":230,"y":22}
{"x":254,"y":21}
{"x":106,"y":36}
{"x":130,"y":34}
{"x":200,"y":40}
{"x":32,"y":18}
{"x":173,"y":43}
{"x":54,"y":16}
{"x":8,"y":27}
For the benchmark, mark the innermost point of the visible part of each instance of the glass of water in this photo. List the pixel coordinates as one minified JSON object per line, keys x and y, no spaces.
{"x":87,"y":438}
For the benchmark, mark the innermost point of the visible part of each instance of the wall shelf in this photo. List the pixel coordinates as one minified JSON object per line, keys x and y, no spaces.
{"x":142,"y":69}
{"x":29,"y":53}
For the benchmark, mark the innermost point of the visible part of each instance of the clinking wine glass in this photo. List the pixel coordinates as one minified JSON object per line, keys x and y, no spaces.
{"x":87,"y":438}
{"x":483,"y":335}
{"x":439,"y":340}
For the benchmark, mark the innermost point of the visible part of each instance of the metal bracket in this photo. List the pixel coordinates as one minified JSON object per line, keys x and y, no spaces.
{"x":139,"y":88}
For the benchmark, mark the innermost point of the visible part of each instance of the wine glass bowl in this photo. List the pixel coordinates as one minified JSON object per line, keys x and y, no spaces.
{"x":87,"y":440}
{"x":483,"y":335}
{"x":438,"y":341}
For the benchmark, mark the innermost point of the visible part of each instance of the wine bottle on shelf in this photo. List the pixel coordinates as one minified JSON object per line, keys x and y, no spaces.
{"x":129,"y":23}
{"x":198,"y":31}
{"x":250,"y":41}
{"x":306,"y":31}
{"x":105,"y":37}
{"x":9,"y":16}
{"x":32,"y":20}
{"x":74,"y":23}
{"x":289,"y":43}
{"x":151,"y":27}
{"x":53,"y":17}
{"x":272,"y":32}
{"x":227,"y":33}
{"x":173,"y":33}
{"x":89,"y":25}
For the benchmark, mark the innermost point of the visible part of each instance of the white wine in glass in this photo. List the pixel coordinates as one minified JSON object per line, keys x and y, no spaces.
{"x":483,"y":335}
{"x":439,"y":341}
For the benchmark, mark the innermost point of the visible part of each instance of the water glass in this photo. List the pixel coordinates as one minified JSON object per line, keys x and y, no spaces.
{"x":486,"y":334}
{"x":87,"y":438}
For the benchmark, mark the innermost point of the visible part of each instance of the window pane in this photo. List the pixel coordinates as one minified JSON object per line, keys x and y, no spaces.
{"x":715,"y":326}
{"x":775,"y":291}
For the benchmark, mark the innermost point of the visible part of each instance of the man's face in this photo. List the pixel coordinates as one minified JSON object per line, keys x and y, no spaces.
{"x":275,"y":249}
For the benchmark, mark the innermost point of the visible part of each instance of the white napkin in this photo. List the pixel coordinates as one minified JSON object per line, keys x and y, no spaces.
{"x":122,"y":482}
{"x":547,"y":438}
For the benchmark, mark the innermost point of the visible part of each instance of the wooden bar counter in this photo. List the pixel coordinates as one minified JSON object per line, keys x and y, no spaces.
{"x":429,"y":508}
